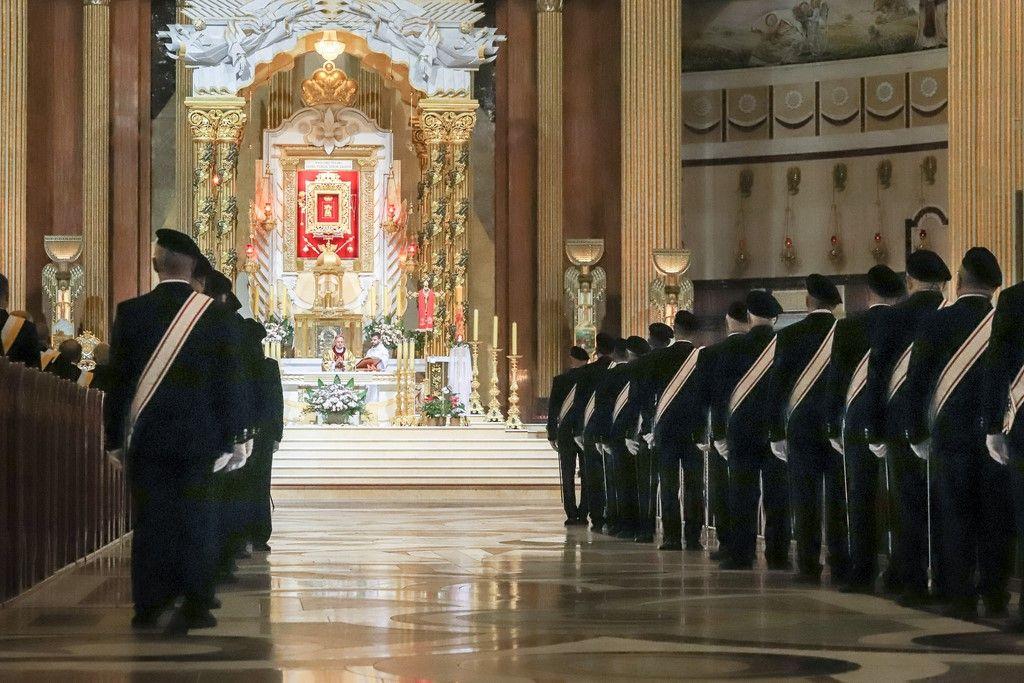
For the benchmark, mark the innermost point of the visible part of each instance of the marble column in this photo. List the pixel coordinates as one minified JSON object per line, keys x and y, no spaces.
{"x":549,"y":189}
{"x":182,"y":135}
{"x":651,"y":147}
{"x":96,"y":160}
{"x":986,"y":159}
{"x":13,"y":146}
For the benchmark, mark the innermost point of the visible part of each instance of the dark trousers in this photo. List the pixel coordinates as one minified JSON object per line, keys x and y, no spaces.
{"x":173,"y":530}
{"x":862,"y":471}
{"x":593,"y":483}
{"x":687,"y":457}
{"x":1016,"y":471}
{"x":909,"y":484}
{"x":647,"y":485}
{"x":261,"y":464}
{"x":816,"y":468}
{"x":569,"y":457}
{"x":718,"y":497}
{"x":976,"y":509}
{"x":611,"y":486}
{"x":755,"y":474}
{"x":626,"y":486}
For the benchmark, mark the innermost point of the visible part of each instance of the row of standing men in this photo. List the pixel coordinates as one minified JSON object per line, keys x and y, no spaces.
{"x":194,"y":413}
{"x":906,"y":407}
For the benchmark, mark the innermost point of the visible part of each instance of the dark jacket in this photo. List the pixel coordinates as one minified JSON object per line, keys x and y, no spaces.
{"x":1006,"y":358}
{"x":748,"y":426}
{"x":796,"y":346}
{"x":855,"y":337}
{"x":271,"y":422}
{"x":560,"y":387}
{"x":64,"y":369}
{"x":729,"y":366}
{"x":611,"y":384}
{"x":654,"y":371}
{"x":685,"y":418}
{"x":25,"y":348}
{"x":587,"y":379}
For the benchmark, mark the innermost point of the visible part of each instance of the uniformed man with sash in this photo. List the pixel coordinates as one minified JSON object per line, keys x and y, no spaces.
{"x":587,"y":380}
{"x":852,"y":416}
{"x":597,"y":430}
{"x":725,"y":355}
{"x":168,"y":418}
{"x":268,"y":440}
{"x":800,"y":432}
{"x":1005,"y":388}
{"x":18,"y":339}
{"x":740,"y":423}
{"x":945,"y":394}
{"x":563,"y":397}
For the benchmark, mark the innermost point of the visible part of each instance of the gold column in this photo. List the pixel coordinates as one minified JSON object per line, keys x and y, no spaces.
{"x":95,"y":159}
{"x":549,"y":188}
{"x":13,"y":146}
{"x":651,"y":151}
{"x":216,"y":125}
{"x":986,"y":161}
{"x":182,"y":140}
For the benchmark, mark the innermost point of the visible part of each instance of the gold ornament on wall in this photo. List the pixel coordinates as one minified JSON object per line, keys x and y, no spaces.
{"x":329,"y":85}
{"x":788,"y":255}
{"x":746,"y":185}
{"x":840,"y":175}
{"x":883,"y":182}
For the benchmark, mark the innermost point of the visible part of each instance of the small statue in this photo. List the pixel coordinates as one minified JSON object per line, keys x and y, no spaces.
{"x":426,"y":301}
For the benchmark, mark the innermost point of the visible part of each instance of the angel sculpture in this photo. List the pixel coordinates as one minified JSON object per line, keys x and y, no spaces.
{"x":63,"y":291}
{"x":585,"y":296}
{"x":658,"y":299}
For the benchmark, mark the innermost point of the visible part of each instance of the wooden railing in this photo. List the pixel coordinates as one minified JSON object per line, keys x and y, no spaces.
{"x":60,"y":499}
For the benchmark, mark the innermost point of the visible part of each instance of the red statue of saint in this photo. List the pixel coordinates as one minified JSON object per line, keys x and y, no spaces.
{"x":425,"y":307}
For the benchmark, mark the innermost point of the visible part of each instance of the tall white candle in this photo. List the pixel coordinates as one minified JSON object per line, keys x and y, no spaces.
{"x":476,"y":324}
{"x":515,"y":336}
{"x":494,"y":334}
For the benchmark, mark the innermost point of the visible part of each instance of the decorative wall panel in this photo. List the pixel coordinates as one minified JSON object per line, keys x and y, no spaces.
{"x":929,"y":97}
{"x":885,"y":102}
{"x":839,"y":104}
{"x":702,"y":116}
{"x":748,"y":113}
{"x":794,"y":109}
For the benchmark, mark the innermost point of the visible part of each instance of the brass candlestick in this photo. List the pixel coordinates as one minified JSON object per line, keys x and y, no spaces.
{"x":475,"y":406}
{"x":411,"y":418}
{"x":494,"y":406}
{"x":513,"y":421}
{"x":401,"y":410}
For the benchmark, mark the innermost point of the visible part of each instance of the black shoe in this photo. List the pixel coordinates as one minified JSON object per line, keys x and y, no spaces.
{"x":695,"y":546}
{"x":146,"y":619}
{"x":720,"y":555}
{"x":731,"y":565}
{"x":186,"y":620}
{"x":229,"y":578}
{"x":780,"y":565}
{"x":857,"y":587}
{"x":670,"y":545}
{"x":808,"y":578}
{"x":261,"y":548}
{"x":966,"y":610}
{"x":214,"y":603}
{"x":913,"y":599}
{"x":996,"y":610}
{"x":626,"y":534}
{"x":644,"y":538}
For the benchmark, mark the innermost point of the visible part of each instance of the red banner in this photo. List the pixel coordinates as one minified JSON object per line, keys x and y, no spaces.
{"x":327,"y":208}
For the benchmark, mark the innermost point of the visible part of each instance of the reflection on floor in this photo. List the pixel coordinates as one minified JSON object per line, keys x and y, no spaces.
{"x":502,"y":592}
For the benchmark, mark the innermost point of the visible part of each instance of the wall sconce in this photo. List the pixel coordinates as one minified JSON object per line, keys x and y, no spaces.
{"x":672,"y":264}
{"x":585,"y":289}
{"x":840,"y":174}
{"x":63,"y":284}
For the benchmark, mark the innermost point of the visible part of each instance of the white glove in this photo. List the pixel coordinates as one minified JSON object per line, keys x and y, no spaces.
{"x":554,"y":445}
{"x":780,"y":450}
{"x":649,"y":438}
{"x":579,"y":441}
{"x":221,"y":462}
{"x":238,"y":457}
{"x":632,"y":446}
{"x":922,"y":450}
{"x":116,"y":458}
{"x":722,"y":446}
{"x":838,"y":445}
{"x":248,"y":448}
{"x":879,"y":449}
{"x":997,"y":448}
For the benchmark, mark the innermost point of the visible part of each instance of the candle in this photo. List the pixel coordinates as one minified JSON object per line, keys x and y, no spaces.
{"x":476,"y":324}
{"x":494,"y":335}
{"x":515,"y":335}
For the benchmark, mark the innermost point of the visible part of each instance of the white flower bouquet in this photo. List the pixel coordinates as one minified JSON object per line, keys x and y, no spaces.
{"x":389,"y":328}
{"x":338,"y":402}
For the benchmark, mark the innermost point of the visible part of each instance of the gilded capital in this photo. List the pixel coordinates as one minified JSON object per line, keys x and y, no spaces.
{"x":96,"y":2}
{"x":549,"y":6}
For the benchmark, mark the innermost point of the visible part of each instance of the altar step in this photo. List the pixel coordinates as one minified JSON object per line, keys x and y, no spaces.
{"x":480,"y":455}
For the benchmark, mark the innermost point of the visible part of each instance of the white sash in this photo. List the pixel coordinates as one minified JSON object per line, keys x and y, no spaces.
{"x":682,"y":375}
{"x":10,"y":333}
{"x":588,"y":412}
{"x":899,"y":373}
{"x":858,"y":381}
{"x":959,"y":365}
{"x":1016,"y":399}
{"x":819,"y":361}
{"x":567,"y":404}
{"x":164,"y":355}
{"x":753,"y":376}
{"x":620,"y":402}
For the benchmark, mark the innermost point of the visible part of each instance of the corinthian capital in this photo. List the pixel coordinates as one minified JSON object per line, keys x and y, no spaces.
{"x":549,"y":5}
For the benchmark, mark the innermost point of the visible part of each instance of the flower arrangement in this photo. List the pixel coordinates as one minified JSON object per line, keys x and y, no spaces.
{"x":389,"y":328}
{"x":337,"y":402}
{"x":279,"y":329}
{"x":447,"y":404}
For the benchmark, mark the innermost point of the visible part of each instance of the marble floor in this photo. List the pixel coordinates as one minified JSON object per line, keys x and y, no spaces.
{"x":370,"y":591}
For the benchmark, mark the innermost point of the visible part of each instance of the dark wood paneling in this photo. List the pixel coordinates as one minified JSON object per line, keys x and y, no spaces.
{"x":515,"y":178}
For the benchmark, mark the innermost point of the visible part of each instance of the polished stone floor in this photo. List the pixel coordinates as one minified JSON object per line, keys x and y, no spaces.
{"x":487,"y":592}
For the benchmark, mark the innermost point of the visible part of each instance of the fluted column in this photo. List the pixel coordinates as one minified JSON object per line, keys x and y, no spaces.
{"x":13,"y":146}
{"x":549,"y":188}
{"x":182,"y":135}
{"x":95,"y":159}
{"x":986,"y":94}
{"x":651,"y":151}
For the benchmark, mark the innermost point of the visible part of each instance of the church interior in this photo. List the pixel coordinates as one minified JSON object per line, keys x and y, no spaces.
{"x":426,"y":204}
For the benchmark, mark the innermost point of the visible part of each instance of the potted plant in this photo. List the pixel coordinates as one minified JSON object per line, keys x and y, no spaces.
{"x":336,"y":403}
{"x":440,"y":409}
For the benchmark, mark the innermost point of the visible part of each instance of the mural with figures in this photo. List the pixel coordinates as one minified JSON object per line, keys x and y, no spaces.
{"x":733,"y":34}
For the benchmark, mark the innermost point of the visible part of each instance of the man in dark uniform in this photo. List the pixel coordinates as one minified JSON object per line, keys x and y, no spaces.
{"x":723,"y":355}
{"x":177,"y":433}
{"x":563,"y":396}
{"x":740,"y":421}
{"x":799,"y":402}
{"x":945,"y":393}
{"x":269,"y":433}
{"x":852,"y":416}
{"x":679,"y":425}
{"x":587,"y":380}
{"x":597,"y":430}
{"x":65,"y":365}
{"x":18,"y":339}
{"x":886,"y":388}
{"x":1005,"y":388}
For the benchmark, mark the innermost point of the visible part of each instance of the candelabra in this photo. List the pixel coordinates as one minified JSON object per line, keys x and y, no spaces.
{"x":475,"y":406}
{"x":494,"y":406}
{"x":513,"y":421}
{"x":401,"y":412}
{"x":411,"y":418}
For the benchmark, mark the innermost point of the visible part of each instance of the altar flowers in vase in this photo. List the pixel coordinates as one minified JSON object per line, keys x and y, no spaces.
{"x":389,"y":328}
{"x":280,"y":335}
{"x":445,"y":408}
{"x":336,"y":403}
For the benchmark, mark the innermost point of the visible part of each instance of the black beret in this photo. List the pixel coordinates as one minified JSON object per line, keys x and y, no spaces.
{"x":927,"y":266}
{"x":823,"y":289}
{"x":178,"y":242}
{"x":660,"y":332}
{"x":983,"y":267}
{"x":579,"y":353}
{"x":203,"y":268}
{"x":217,"y":284}
{"x":884,"y":282}
{"x":638,"y":346}
{"x":763,"y":304}
{"x":234,"y":304}
{"x":619,"y":348}
{"x":254,"y":330}
{"x":738,"y":311}
{"x":686,"y":321}
{"x":605,"y":343}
